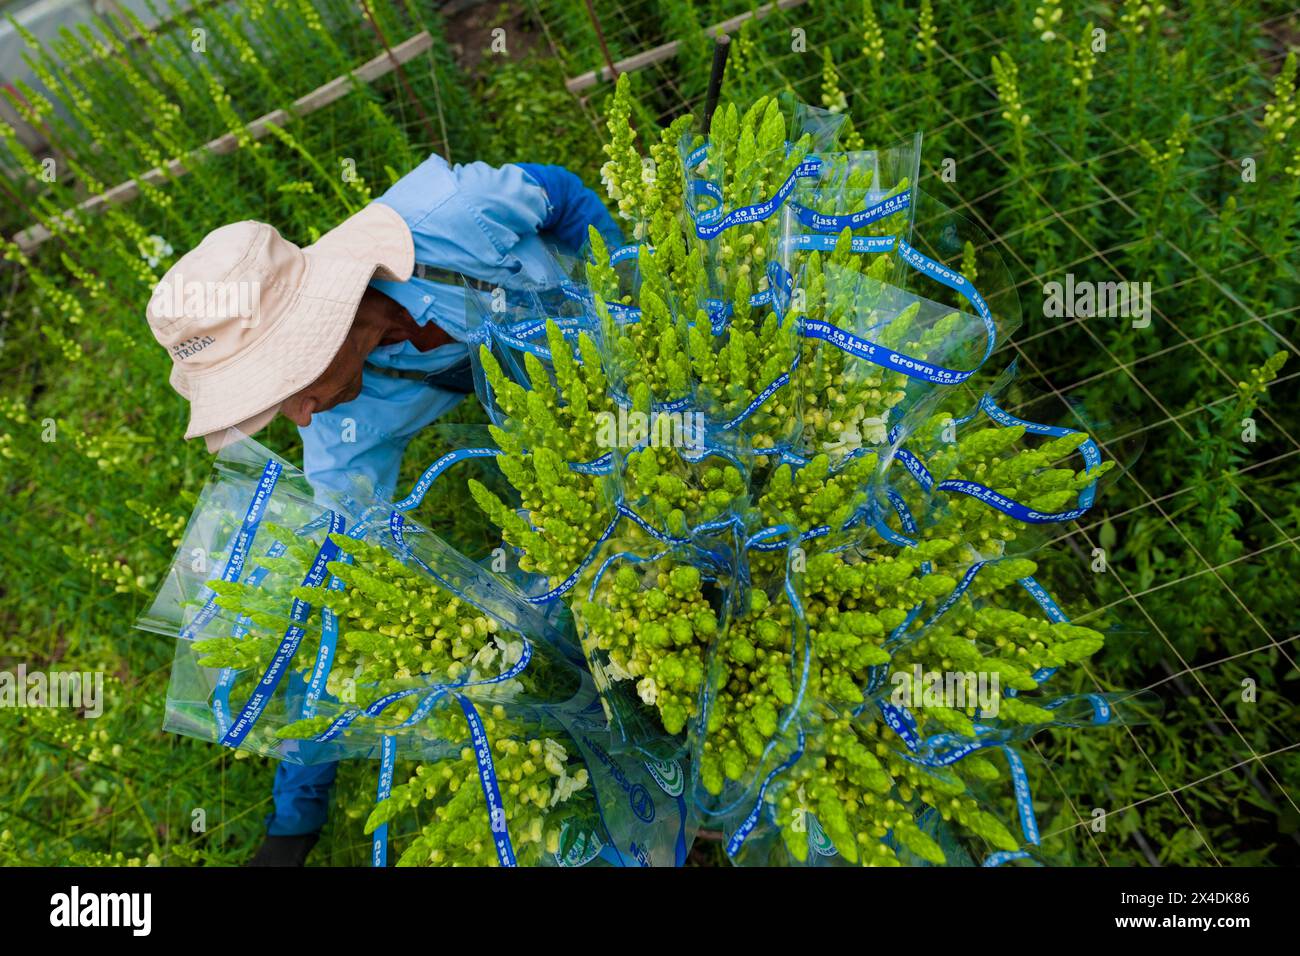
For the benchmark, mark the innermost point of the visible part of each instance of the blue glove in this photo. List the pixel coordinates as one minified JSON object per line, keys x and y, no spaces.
{"x":301,"y":798}
{"x":573,"y":207}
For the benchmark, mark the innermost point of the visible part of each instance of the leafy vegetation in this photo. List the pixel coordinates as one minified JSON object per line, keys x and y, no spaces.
{"x":1170,"y":155}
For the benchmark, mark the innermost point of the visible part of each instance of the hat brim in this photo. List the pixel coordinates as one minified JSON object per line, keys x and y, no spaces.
{"x":248,"y":389}
{"x":228,"y":436}
{"x":288,"y":357}
{"x":376,"y":234}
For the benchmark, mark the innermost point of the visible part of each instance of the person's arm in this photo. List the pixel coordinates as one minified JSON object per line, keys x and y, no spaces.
{"x":337,"y":449}
{"x":572,"y":207}
{"x":367,"y":436}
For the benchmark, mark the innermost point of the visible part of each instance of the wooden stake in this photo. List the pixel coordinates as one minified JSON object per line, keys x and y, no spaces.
{"x":318,"y":98}
{"x":665,"y":51}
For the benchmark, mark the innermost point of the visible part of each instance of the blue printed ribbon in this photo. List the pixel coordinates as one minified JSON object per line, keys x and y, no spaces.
{"x":822,"y":222}
{"x":926,"y":754}
{"x":226,"y":676}
{"x":1024,"y":800}
{"x":820,"y":242}
{"x":955,"y":594}
{"x":422,"y":485}
{"x":922,"y":755}
{"x":1101,"y":709}
{"x":713,"y":222}
{"x":1005,"y":856}
{"x":623,"y":253}
{"x":433,"y":693}
{"x":901,"y":720}
{"x":567,"y":584}
{"x":488,"y":779}
{"x":329,"y":638}
{"x":761,"y":399}
{"x":968,"y":578}
{"x":746,"y":827}
{"x":387,"y":762}
{"x":240,"y":546}
{"x":717,"y":310}
{"x":487,"y":776}
{"x":1007,"y":505}
{"x":888,"y":358}
{"x":517,"y":335}
{"x":602,"y":465}
{"x":298,"y":614}
{"x":897,"y":361}
{"x":1088,"y":449}
{"x":1054,"y":614}
{"x":431,"y":474}
{"x":329,"y":633}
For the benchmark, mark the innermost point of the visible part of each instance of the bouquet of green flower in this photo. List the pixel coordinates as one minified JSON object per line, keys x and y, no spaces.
{"x":756,"y":470}
{"x":315,"y":629}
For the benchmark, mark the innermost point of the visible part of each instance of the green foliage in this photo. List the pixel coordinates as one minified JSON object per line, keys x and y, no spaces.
{"x":537,"y":774}
{"x":724,"y":676}
{"x":399,"y":631}
{"x":1078,"y":198}
{"x":95,"y":474}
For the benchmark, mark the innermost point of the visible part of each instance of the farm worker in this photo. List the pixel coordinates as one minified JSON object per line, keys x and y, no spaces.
{"x":357,"y":338}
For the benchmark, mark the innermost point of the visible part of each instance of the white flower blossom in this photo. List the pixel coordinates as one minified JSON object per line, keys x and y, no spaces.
{"x":648,"y":690}
{"x":554,"y":757}
{"x":511,"y":651}
{"x":875,"y":430}
{"x":567,"y":786}
{"x":486,"y":656}
{"x":154,"y":250}
{"x":608,"y":177}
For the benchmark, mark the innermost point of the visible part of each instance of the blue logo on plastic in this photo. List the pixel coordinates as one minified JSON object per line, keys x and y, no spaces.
{"x":638,"y":799}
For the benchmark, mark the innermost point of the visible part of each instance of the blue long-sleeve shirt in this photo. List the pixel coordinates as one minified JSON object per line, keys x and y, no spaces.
{"x":487,"y":222}
{"x":573,"y":207}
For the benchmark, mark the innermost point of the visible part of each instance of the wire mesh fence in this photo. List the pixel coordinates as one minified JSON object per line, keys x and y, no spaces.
{"x":1171,"y":412}
{"x":1198,"y":535}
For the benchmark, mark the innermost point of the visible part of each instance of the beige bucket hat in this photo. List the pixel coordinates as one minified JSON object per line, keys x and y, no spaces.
{"x":249,"y":318}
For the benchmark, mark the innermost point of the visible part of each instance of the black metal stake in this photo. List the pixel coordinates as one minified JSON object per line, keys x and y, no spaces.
{"x":721,"y":47}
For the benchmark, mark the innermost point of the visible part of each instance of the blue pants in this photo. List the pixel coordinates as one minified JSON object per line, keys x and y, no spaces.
{"x":302,"y":798}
